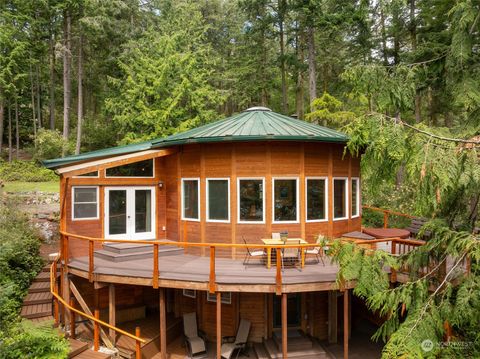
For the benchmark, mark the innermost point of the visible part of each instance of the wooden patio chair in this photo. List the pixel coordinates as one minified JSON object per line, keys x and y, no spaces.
{"x":240,"y":342}
{"x":194,"y":339}
{"x":259,"y":254}
{"x":291,"y":256}
{"x":318,"y":252}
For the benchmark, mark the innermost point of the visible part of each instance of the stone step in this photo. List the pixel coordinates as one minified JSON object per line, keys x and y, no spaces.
{"x":38,"y":287}
{"x":36,"y":310}
{"x":38,"y":298}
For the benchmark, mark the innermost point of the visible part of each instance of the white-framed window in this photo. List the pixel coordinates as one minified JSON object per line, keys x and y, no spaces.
{"x":251,"y":200}
{"x":218,"y":200}
{"x":93,"y":174}
{"x":285,"y":200}
{"x":85,"y":202}
{"x":316,"y":199}
{"x":140,"y":169}
{"x":191,"y":199}
{"x":340,"y":198}
{"x":190,"y":293}
{"x":355,"y":191}
{"x":226,"y":297}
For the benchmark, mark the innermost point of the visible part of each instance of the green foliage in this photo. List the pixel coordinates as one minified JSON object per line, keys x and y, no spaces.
{"x":26,"y":340}
{"x":418,"y":309}
{"x":50,"y":144}
{"x":328,"y":111}
{"x":27,"y":171}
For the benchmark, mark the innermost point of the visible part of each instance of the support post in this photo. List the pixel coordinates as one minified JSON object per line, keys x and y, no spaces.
{"x":284,"y":326}
{"x":211,"y":286}
{"x":332,"y":316}
{"x":90,"y":261}
{"x":72,"y":320}
{"x":278,"y":279}
{"x":155,"y":266}
{"x":385,"y":219}
{"x":345,"y":324}
{"x":111,"y":311}
{"x":219,"y":325}
{"x":96,"y":332}
{"x":138,"y":345}
{"x":393,"y":274}
{"x":163,"y":325}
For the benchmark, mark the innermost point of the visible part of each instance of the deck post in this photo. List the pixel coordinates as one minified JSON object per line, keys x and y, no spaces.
{"x":385,"y":219}
{"x":72,"y":320}
{"x":163,"y":325}
{"x":155,"y":266}
{"x":278,"y":278}
{"x":90,"y":261}
{"x":284,"y":326}
{"x":345,"y":324}
{"x":138,"y":345}
{"x":332,"y":316}
{"x":219,"y":325}
{"x":96,"y":332}
{"x":211,"y":286}
{"x":111,"y":312}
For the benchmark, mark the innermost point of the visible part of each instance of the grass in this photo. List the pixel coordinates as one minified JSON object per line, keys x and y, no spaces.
{"x":31,"y":186}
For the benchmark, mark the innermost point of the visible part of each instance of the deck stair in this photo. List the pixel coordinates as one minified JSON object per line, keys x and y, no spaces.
{"x":81,"y":350}
{"x":299,"y":347}
{"x":120,"y":252}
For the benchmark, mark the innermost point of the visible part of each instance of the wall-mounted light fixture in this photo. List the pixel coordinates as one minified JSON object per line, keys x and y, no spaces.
{"x":160,"y":184}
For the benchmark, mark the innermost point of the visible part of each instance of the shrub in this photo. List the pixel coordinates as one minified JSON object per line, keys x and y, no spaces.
{"x":50,"y":144}
{"x":26,"y":171}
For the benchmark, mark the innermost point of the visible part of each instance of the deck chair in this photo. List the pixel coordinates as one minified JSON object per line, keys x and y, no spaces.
{"x":252,"y":254}
{"x":195,"y":345}
{"x":316,"y":251}
{"x":291,"y":256}
{"x":240,"y":342}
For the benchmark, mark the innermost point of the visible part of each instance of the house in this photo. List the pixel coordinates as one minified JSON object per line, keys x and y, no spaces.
{"x":153,"y":230}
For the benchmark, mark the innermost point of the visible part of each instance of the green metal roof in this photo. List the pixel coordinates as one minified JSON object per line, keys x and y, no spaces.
{"x":254,"y":124}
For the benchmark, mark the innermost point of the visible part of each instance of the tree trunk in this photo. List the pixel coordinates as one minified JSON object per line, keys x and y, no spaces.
{"x":33,"y":109}
{"x":312,"y":73}
{"x":299,"y":90}
{"x":281,"y":14}
{"x":413,"y":38}
{"x":66,"y":75}
{"x":17,"y":130}
{"x":10,"y":148}
{"x":38,"y":92}
{"x":384,"y":36}
{"x":2,"y":112}
{"x":52,"y":83}
{"x":80,"y":95}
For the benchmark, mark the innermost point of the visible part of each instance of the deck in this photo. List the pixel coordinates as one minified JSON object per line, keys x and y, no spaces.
{"x":193,"y":272}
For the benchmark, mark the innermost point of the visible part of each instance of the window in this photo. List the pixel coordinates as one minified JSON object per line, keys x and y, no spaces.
{"x":251,"y":200}
{"x":135,"y":169}
{"x":89,"y":174}
{"x":191,"y":293}
{"x":226,"y":297}
{"x":218,"y":200}
{"x":84,"y":202}
{"x":190,"y":199}
{"x":340,"y":198}
{"x":285,"y":200}
{"x":355,"y":197}
{"x":316,"y":199}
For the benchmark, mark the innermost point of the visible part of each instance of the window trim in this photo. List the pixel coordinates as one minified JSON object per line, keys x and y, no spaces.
{"x":325,"y":178}
{"x":297,"y":180}
{"x":153,"y":170}
{"x":239,"y":221}
{"x":357,"y":179}
{"x":207,"y":200}
{"x":347,"y":197}
{"x":97,"y":189}
{"x":182,"y":197}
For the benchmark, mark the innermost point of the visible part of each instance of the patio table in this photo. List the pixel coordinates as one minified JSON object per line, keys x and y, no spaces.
{"x":274,"y":242}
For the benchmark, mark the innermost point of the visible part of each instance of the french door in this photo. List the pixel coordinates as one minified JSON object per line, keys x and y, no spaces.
{"x":129,"y":212}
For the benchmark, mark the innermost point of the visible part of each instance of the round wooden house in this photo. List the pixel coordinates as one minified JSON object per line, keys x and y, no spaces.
{"x":195,"y":223}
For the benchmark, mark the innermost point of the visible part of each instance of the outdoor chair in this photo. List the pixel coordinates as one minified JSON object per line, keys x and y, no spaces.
{"x":258,"y":254}
{"x":240,"y":342}
{"x":318,"y":252}
{"x":291,"y":256}
{"x":194,"y":339}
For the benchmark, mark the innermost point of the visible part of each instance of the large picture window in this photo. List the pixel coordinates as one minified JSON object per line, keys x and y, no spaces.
{"x":190,"y":199}
{"x":340,"y":198}
{"x":316,"y":199}
{"x":251,"y":200}
{"x":135,"y":169}
{"x":218,"y":199}
{"x":285,"y":200}
{"x":85,"y":202}
{"x":355,"y":190}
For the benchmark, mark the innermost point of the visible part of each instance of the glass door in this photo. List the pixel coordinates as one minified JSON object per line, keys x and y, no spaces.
{"x":129,"y":213}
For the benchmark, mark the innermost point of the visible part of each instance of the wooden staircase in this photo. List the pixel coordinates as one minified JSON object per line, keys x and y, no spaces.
{"x":37,"y":305}
{"x":120,"y":252}
{"x":81,"y":350}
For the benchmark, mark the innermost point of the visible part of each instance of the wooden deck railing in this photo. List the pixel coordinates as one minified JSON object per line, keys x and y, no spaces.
{"x":58,"y":300}
{"x":387,"y":213}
